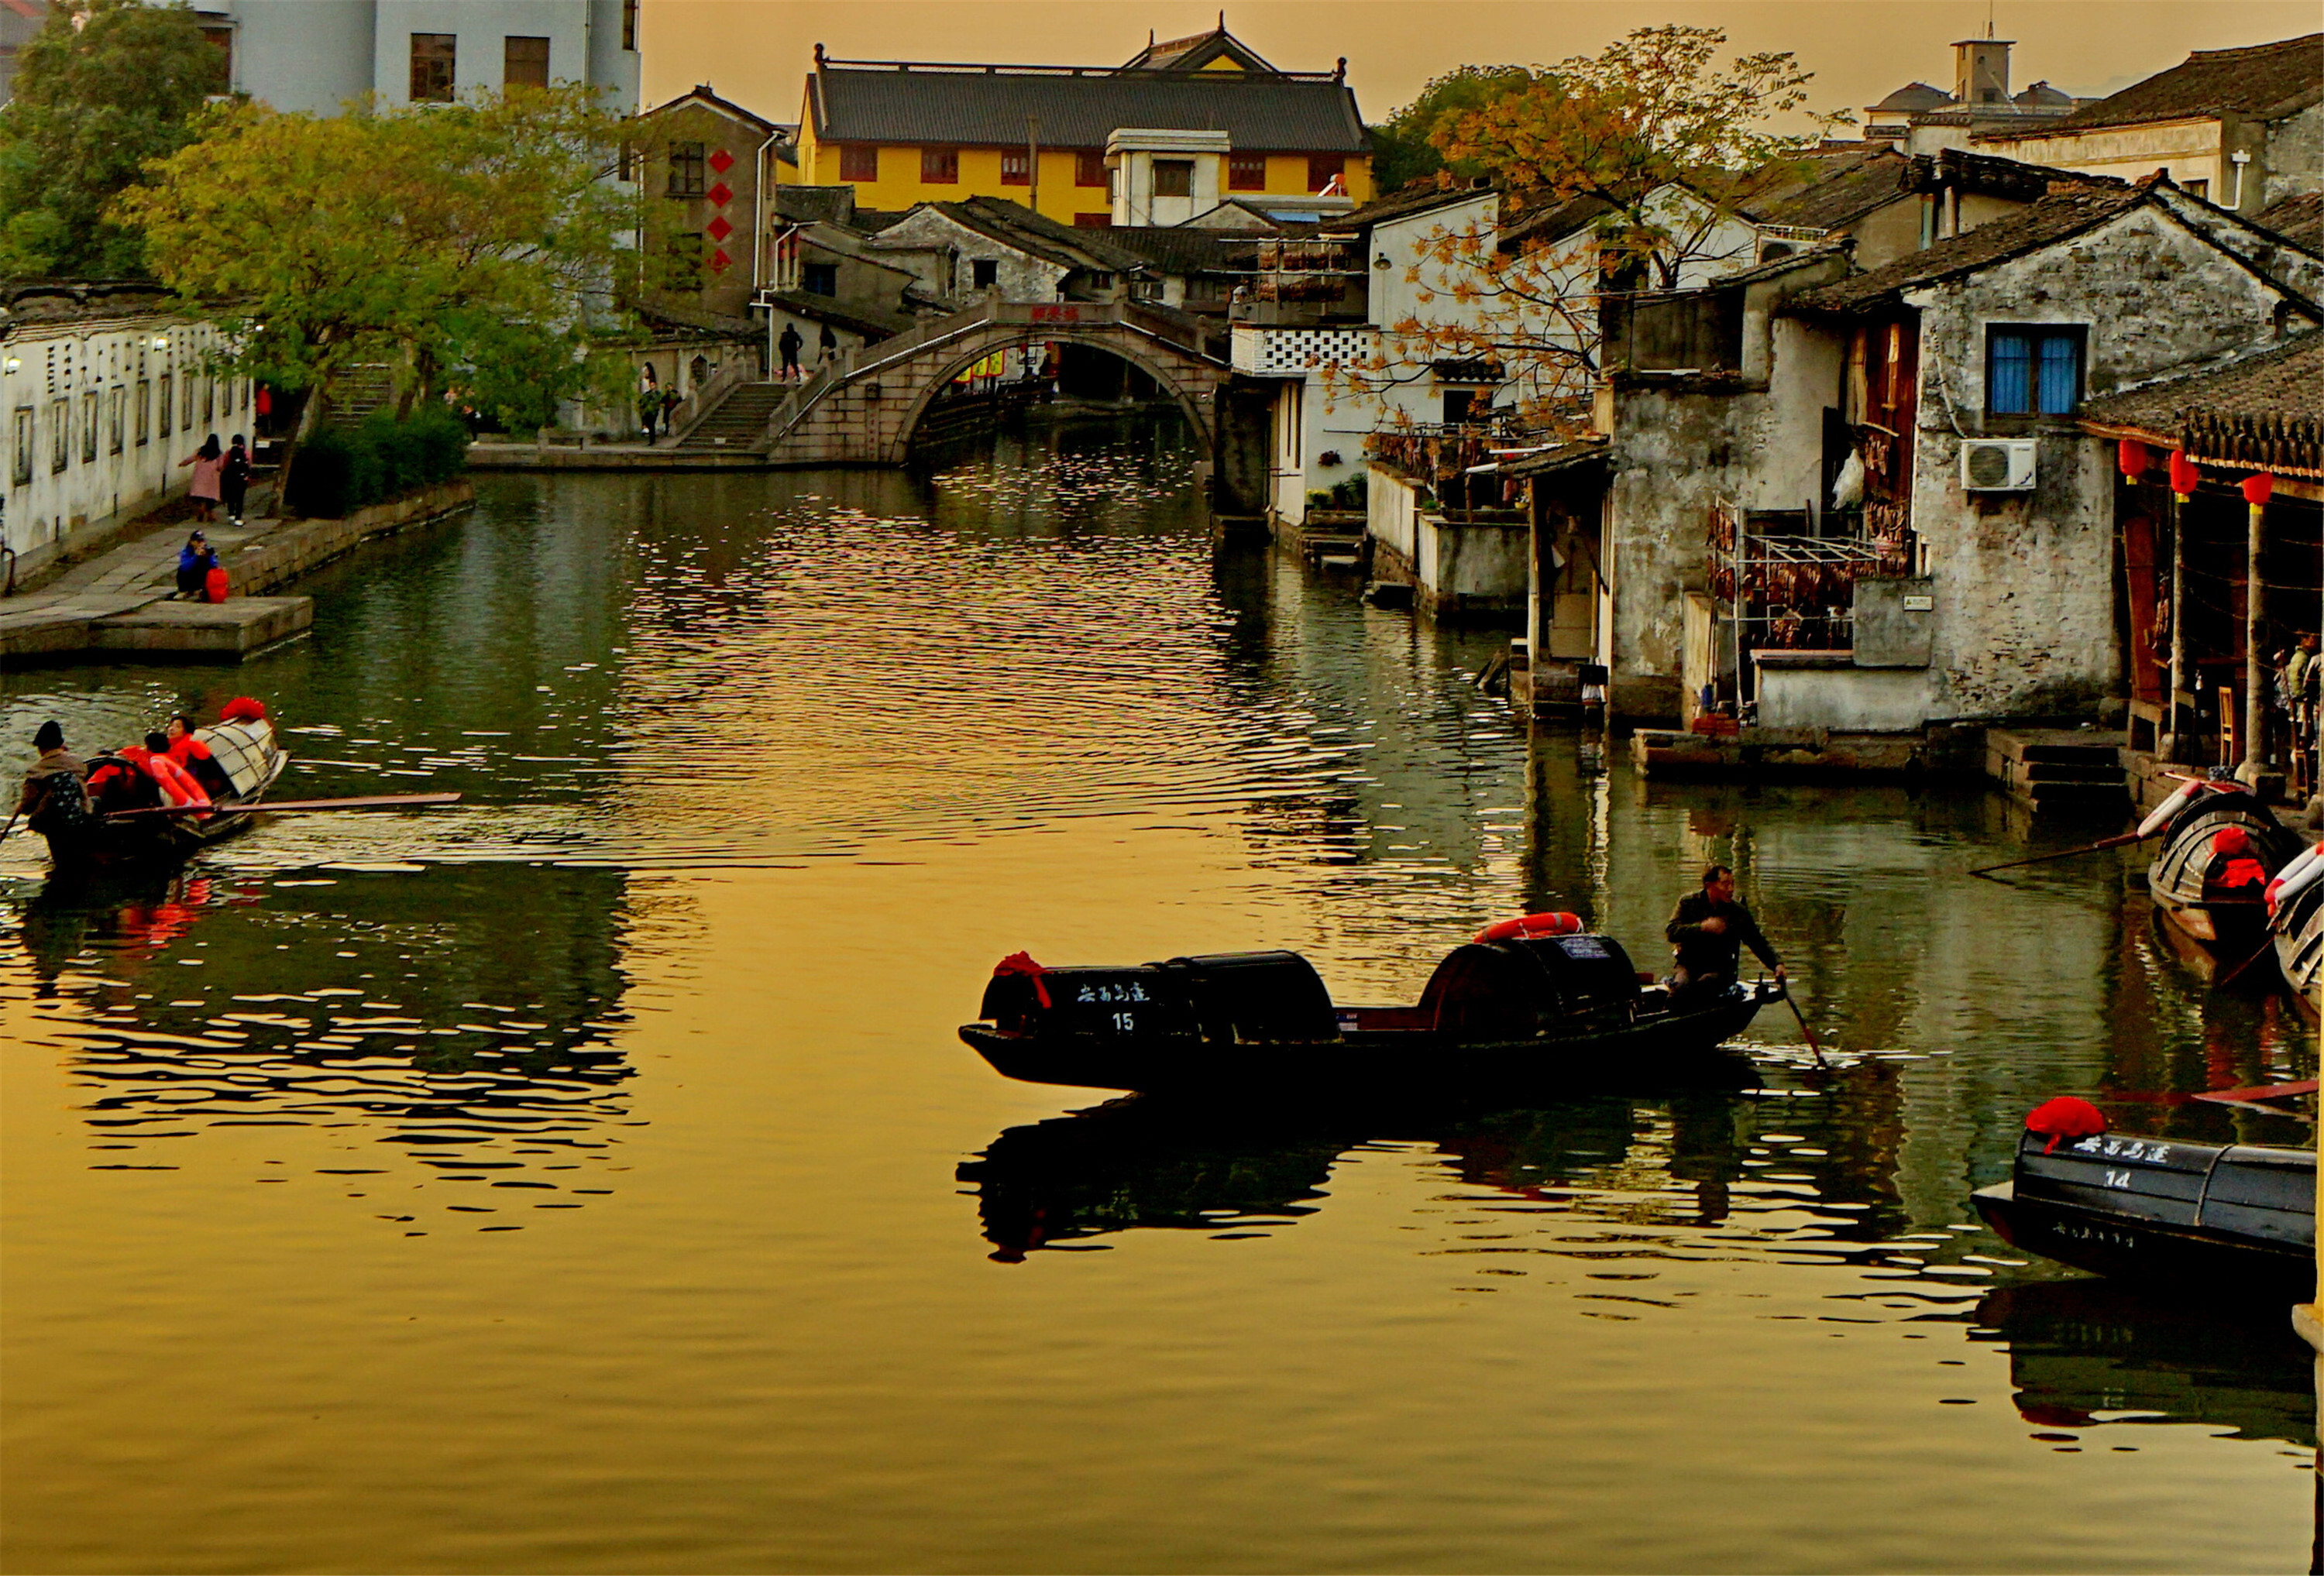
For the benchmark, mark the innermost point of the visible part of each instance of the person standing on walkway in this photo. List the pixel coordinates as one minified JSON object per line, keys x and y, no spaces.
{"x":789,"y":345}
{"x":208,"y":461}
{"x":648,"y":400}
{"x":827,"y":347}
{"x":1708,"y":931}
{"x":234,"y":480}
{"x":192,"y":564}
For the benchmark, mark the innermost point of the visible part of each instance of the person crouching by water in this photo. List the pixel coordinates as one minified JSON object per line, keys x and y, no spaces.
{"x":1708,"y":931}
{"x":53,"y":797}
{"x":193,"y":565}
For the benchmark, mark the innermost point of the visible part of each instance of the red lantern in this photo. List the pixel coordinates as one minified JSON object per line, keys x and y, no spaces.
{"x":2184,"y":474}
{"x":2258,"y":487}
{"x":2131,"y":456}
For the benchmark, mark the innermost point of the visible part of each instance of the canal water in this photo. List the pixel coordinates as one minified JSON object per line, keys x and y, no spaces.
{"x":589,"y":1178}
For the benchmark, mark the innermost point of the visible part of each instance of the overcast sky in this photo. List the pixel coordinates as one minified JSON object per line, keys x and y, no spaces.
{"x":758,"y":51}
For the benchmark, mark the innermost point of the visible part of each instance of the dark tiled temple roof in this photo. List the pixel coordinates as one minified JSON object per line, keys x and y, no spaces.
{"x":2264,"y":80}
{"x":1832,"y":192}
{"x":2061,"y":214}
{"x":988,"y":105}
{"x":2266,"y":410}
{"x":1014,"y":224}
{"x":829,"y":205}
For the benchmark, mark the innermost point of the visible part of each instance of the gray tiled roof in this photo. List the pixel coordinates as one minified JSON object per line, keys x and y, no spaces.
{"x":987,"y":108}
{"x":2264,"y":410}
{"x":2259,"y":80}
{"x":2063,"y":213}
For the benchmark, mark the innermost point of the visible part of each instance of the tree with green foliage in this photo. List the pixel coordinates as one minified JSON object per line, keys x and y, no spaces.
{"x":480,"y":245}
{"x":1404,"y":146}
{"x":104,"y":87}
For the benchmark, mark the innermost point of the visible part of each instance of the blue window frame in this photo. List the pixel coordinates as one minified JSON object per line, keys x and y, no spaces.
{"x":2034,"y":371}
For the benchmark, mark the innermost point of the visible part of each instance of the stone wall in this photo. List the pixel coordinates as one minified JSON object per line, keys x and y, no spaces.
{"x":2025,"y":581}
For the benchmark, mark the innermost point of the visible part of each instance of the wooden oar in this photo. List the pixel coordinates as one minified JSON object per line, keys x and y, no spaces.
{"x":2126,"y":837}
{"x":2232,"y":975}
{"x":11,"y":827}
{"x":381,"y":802}
{"x":1814,"y":1043}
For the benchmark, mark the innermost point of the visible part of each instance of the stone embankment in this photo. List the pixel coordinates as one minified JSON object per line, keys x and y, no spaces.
{"x":119,"y":605}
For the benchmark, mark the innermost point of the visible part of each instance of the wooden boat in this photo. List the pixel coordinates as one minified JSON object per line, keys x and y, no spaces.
{"x":253,"y":761}
{"x":2229,"y":928}
{"x":2297,"y":928}
{"x":2236,"y":1218}
{"x":1499,"y":1016}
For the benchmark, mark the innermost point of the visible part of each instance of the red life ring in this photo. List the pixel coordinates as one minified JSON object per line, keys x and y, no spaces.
{"x":1532,"y":928}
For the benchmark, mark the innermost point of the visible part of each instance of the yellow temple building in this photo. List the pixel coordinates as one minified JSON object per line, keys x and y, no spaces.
{"x":1181,"y":129}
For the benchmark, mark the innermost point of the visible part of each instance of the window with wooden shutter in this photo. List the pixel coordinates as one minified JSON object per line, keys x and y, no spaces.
{"x":940,"y":166}
{"x":524,"y":62}
{"x":1247,"y":173}
{"x":1089,"y":167}
{"x":859,"y":162}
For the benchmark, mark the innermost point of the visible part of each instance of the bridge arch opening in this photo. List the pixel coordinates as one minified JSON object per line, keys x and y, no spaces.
{"x":1047,"y":367}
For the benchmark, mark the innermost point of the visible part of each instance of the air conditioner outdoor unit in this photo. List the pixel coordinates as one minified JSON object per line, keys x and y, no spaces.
{"x":1998,"y":465}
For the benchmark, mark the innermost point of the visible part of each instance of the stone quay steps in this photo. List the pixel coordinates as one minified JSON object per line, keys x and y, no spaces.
{"x":740,"y":420}
{"x":2056,"y":768}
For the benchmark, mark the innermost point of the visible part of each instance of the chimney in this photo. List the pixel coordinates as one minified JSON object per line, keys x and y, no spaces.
{"x":1981,"y":71}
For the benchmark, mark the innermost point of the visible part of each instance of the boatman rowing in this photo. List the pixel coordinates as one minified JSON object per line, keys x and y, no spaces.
{"x":1708,"y":931}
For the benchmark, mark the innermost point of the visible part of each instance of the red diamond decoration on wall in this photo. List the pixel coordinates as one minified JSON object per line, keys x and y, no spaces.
{"x":719,"y":228}
{"x":720,"y":195}
{"x":719,"y":261}
{"x":722,"y":160}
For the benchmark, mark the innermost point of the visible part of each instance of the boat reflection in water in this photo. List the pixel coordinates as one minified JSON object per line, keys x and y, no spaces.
{"x":1159,"y":1162}
{"x":466,"y":1030}
{"x":2092,"y":1351}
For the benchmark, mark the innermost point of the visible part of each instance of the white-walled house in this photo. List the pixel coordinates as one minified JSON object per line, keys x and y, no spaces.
{"x":104,"y":394}
{"x":315,"y":55}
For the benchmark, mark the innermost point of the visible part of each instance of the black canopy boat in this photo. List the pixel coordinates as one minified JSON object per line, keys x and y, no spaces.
{"x":2296,"y":922}
{"x":1530,"y":1004}
{"x":2239,"y":1216}
{"x":131,"y":827}
{"x":2191,"y":880}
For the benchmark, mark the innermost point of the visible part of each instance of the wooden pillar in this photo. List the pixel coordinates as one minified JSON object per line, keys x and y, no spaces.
{"x":2169,"y":747}
{"x":2254,"y":739}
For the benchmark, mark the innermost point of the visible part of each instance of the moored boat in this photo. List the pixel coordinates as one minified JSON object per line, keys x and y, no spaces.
{"x":1515,"y":1012}
{"x":2236,"y":1217}
{"x":2296,"y":921}
{"x":2219,"y":846}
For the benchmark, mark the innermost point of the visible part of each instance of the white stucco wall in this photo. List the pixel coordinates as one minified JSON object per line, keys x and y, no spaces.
{"x":70,"y":376}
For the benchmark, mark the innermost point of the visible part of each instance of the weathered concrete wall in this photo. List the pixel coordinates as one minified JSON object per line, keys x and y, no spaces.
{"x":2025,"y":581}
{"x":1473,"y":571}
{"x":2292,"y":161}
{"x":1682,"y":446}
{"x":944,"y":252}
{"x":1843,"y":699}
{"x":1392,"y":514}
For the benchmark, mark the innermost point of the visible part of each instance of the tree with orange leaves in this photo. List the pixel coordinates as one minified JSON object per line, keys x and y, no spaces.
{"x":1624,"y":171}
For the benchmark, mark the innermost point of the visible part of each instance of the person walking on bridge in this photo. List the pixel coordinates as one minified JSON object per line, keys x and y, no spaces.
{"x":789,"y":345}
{"x":1708,"y":931}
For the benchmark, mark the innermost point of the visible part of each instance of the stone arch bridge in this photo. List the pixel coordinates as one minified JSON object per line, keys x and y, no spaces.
{"x":863,"y":409}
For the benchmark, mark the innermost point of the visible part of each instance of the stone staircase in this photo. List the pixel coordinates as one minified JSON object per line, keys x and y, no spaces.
{"x":738,"y":422}
{"x":2057,"y":769}
{"x":358,"y":392}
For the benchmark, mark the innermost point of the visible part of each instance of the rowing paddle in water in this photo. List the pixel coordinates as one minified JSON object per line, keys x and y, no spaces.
{"x":2125,"y":839}
{"x":1814,"y":1043}
{"x":380,"y":802}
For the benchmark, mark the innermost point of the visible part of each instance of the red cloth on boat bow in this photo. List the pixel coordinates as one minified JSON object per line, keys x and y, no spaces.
{"x":1019,"y":963}
{"x":242,"y":709}
{"x":2233,"y":845}
{"x":2065,"y":1118}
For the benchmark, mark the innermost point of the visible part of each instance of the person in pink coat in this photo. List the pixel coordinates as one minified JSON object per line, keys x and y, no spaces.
{"x":209,"y":468}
